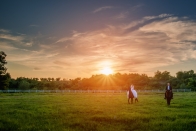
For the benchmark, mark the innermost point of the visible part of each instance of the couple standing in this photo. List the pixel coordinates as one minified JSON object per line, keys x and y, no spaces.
{"x":131,"y":93}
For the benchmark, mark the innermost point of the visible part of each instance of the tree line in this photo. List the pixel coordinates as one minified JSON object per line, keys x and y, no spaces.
{"x":117,"y":81}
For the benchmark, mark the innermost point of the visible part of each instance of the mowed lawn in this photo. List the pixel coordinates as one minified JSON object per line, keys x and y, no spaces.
{"x":96,"y":112}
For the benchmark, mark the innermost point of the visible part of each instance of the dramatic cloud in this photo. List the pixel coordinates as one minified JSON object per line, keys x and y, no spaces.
{"x":140,"y":46}
{"x":103,"y":8}
{"x":136,"y":7}
{"x":122,"y":15}
{"x":10,"y":37}
{"x":165,"y":41}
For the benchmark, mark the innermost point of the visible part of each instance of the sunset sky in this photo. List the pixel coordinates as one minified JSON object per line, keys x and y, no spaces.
{"x":79,"y":38}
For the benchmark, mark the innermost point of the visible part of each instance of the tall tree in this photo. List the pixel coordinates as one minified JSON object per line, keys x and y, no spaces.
{"x":4,"y":77}
{"x":3,"y":69}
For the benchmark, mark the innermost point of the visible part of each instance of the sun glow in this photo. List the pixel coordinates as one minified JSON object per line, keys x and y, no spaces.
{"x":106,"y":71}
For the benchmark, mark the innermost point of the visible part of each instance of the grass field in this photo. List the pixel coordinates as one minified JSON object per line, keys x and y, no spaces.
{"x":96,"y":112}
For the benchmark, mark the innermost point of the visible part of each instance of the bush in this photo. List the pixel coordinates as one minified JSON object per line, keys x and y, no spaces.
{"x":24,"y":85}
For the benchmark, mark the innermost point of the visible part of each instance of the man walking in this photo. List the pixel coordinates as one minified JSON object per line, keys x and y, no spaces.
{"x":168,"y":88}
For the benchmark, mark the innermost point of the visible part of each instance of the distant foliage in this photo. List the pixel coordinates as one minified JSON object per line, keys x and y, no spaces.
{"x":24,"y":85}
{"x":118,"y":81}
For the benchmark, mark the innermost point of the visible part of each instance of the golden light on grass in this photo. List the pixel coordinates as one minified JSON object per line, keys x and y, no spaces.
{"x":106,"y":71}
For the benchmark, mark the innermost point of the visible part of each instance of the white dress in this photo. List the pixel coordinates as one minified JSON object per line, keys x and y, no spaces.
{"x":134,"y":93}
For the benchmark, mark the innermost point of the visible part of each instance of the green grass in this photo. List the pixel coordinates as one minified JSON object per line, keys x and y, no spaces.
{"x":96,"y":112}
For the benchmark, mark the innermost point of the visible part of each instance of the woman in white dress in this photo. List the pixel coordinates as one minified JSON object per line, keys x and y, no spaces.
{"x":134,"y":93}
{"x":131,"y":93}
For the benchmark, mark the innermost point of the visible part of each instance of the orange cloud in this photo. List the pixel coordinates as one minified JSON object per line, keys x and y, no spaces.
{"x":140,"y":46}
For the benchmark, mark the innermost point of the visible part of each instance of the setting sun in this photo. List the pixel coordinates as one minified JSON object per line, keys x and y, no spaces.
{"x":106,"y":71}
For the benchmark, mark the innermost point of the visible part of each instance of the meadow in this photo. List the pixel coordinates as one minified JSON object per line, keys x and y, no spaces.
{"x":96,"y":112}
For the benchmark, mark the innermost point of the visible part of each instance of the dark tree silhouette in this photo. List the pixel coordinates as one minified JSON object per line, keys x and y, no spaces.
{"x":4,"y":77}
{"x":2,"y":63}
